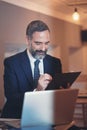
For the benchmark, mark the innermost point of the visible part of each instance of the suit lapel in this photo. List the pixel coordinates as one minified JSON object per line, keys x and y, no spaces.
{"x":25,"y":64}
{"x":47,"y":65}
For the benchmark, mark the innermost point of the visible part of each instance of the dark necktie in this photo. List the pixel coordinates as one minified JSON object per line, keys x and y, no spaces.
{"x":36,"y":72}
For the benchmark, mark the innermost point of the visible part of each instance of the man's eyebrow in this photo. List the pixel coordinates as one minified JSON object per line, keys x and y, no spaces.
{"x":47,"y":41}
{"x":41,"y":42}
{"x":37,"y":42}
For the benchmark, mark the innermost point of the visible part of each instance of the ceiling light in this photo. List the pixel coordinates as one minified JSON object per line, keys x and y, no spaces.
{"x":76,"y":15}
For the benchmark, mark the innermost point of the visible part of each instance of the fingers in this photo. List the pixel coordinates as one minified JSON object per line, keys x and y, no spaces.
{"x":46,"y":77}
{"x":43,"y":81}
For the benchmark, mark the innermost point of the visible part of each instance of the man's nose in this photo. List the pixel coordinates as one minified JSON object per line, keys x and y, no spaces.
{"x":43,"y":47}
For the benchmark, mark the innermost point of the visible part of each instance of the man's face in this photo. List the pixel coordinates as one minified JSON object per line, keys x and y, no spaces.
{"x":39,"y":44}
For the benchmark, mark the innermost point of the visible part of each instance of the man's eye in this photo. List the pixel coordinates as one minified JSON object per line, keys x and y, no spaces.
{"x":37,"y":43}
{"x":47,"y":43}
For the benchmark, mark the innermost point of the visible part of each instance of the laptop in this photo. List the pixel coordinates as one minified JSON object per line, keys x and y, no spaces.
{"x":63,"y":80}
{"x":53,"y":107}
{"x":47,"y":108}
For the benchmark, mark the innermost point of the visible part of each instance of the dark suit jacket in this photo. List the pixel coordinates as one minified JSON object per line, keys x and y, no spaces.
{"x":18,"y":79}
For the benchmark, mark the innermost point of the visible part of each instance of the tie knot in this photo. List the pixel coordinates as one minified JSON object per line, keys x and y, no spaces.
{"x":36,"y":62}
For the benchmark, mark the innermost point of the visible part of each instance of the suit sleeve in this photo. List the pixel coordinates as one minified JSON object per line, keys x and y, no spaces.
{"x":11,"y":87}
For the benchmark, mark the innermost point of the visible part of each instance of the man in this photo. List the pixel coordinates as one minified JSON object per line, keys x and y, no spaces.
{"x":19,"y":69}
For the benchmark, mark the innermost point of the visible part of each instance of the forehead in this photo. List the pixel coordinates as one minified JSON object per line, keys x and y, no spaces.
{"x":42,"y":34}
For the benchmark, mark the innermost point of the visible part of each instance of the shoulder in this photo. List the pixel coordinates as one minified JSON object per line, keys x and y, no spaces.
{"x":53,"y":62}
{"x":52,"y":58}
{"x":15,"y":57}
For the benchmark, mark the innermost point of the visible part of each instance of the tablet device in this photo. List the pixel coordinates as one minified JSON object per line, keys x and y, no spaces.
{"x":63,"y":80}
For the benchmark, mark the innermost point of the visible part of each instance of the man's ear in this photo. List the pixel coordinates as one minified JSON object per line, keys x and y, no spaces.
{"x":27,"y":40}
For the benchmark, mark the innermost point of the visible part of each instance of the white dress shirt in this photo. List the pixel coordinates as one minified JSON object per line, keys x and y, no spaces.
{"x":32,"y":60}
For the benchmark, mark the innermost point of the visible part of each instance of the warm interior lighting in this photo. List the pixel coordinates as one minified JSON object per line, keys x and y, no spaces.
{"x":76,"y":15}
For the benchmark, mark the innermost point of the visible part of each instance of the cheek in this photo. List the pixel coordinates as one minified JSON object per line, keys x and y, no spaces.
{"x":35,"y":47}
{"x":47,"y":46}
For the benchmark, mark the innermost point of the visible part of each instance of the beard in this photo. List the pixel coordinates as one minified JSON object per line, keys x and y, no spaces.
{"x":38,"y":54}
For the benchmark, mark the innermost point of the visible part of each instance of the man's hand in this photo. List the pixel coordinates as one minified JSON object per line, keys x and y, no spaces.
{"x":43,"y":81}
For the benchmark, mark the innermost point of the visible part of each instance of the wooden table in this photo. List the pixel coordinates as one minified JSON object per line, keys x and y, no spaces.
{"x":81,"y":112}
{"x":81,"y":100}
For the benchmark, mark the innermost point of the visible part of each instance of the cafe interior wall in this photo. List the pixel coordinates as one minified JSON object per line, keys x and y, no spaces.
{"x":13,"y":22}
